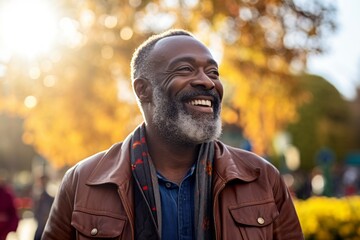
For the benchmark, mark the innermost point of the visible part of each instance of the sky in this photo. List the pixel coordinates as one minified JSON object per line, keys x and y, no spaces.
{"x":340,"y":65}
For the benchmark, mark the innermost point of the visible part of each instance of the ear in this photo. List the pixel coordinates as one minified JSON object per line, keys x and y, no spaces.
{"x":143,"y":89}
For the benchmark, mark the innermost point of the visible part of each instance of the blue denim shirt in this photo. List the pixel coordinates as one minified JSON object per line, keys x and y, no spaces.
{"x":177,"y":207}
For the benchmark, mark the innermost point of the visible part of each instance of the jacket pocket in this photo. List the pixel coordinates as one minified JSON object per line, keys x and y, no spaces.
{"x":255,"y":220}
{"x":97,"y":226}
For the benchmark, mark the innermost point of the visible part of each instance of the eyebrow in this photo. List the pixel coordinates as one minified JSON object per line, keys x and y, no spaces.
{"x":191,"y":60}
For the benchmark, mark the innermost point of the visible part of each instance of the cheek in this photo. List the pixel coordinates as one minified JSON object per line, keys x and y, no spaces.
{"x":220,"y":89}
{"x":176,"y":85}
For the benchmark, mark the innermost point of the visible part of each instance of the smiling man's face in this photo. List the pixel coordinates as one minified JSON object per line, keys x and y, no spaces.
{"x":187,"y":92}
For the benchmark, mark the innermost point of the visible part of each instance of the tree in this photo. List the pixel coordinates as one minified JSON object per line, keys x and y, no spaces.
{"x":80,"y":92}
{"x":14,"y":155}
{"x":323,"y":122}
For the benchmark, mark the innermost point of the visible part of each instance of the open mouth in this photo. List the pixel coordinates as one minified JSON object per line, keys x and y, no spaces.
{"x":202,"y":105}
{"x":201,"y":102}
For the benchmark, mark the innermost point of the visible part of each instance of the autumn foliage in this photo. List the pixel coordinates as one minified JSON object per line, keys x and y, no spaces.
{"x":80,"y":95}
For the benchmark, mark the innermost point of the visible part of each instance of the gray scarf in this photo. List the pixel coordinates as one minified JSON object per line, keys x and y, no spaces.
{"x":147,"y":196}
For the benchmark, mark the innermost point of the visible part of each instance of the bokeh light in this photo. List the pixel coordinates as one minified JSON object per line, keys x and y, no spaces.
{"x":30,"y":101}
{"x":318,"y":184}
{"x":126,"y":33}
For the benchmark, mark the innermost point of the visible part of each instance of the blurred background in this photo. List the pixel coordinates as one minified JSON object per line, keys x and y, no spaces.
{"x":290,"y":70}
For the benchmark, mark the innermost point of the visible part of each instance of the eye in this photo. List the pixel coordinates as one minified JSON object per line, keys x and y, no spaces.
{"x":185,"y":69}
{"x":213,"y":73}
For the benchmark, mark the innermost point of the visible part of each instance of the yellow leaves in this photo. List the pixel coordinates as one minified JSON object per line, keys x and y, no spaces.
{"x":230,"y":116}
{"x":329,"y":218}
{"x":10,"y":104}
{"x":207,"y":8}
{"x":78,"y":116}
{"x":83,"y":107}
{"x":262,"y":100}
{"x":65,"y":134}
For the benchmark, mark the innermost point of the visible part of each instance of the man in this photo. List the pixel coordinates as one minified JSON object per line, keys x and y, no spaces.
{"x":170,"y":178}
{"x":9,"y":218}
{"x":42,"y":206}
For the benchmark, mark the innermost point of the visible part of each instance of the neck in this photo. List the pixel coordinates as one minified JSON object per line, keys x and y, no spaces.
{"x":171,"y":160}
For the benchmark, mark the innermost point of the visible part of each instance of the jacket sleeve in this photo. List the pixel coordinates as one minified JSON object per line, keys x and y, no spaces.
{"x":58,"y":226}
{"x":287,"y":225}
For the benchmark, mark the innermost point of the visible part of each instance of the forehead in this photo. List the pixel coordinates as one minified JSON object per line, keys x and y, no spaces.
{"x":171,"y":48}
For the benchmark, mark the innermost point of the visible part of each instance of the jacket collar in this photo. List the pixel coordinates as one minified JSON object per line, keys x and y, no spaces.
{"x":232,"y":163}
{"x":114,"y":167}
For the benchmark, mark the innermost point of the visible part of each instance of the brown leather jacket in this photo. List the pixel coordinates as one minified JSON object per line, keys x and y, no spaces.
{"x":95,"y":199}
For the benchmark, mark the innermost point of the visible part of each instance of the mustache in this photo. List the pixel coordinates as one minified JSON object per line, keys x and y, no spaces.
{"x":201,"y":92}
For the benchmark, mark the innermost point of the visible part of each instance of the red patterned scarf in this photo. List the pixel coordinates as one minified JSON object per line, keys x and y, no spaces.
{"x":147,"y":195}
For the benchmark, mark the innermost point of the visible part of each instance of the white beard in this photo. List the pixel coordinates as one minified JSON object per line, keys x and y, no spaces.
{"x":178,"y":126}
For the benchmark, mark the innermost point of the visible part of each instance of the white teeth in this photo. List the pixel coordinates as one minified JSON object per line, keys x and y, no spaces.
{"x":201,"y":102}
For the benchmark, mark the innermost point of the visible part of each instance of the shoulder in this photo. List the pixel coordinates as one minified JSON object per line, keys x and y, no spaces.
{"x":84,"y":167}
{"x":231,"y":162}
{"x":6,"y":193}
{"x":244,"y":158}
{"x":234,"y":163}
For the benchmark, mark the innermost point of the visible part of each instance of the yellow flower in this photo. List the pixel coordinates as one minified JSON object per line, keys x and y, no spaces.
{"x":329,"y":218}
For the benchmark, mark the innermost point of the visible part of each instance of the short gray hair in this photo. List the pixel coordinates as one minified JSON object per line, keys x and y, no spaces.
{"x":139,"y":62}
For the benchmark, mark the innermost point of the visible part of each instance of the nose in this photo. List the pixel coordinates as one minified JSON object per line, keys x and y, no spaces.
{"x":203,"y":81}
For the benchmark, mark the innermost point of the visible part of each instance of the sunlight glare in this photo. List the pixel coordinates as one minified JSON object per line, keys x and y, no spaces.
{"x":2,"y":70}
{"x":28,"y":27}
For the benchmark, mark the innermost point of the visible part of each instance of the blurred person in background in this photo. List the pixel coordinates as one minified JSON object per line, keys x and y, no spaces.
{"x":42,"y":206}
{"x":171,"y":178}
{"x":9,"y":218}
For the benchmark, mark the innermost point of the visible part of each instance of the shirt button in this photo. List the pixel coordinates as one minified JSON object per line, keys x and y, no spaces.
{"x":94,"y":231}
{"x":260,"y":220}
{"x":168,"y":185}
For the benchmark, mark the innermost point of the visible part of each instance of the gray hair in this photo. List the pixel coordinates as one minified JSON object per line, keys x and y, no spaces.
{"x":139,"y":62}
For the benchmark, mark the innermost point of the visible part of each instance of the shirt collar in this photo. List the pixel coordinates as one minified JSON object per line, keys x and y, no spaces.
{"x":189,"y":173}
